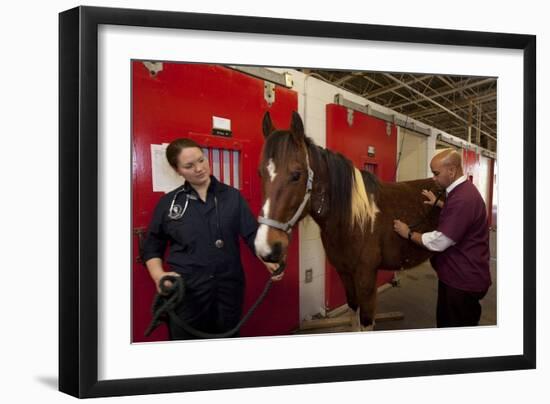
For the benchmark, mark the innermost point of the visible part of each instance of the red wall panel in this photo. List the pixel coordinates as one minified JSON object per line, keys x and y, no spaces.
{"x":179,"y":102}
{"x":472,"y":169}
{"x":470,"y":163}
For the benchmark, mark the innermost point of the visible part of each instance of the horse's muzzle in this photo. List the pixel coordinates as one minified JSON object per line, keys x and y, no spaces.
{"x":276,"y":253}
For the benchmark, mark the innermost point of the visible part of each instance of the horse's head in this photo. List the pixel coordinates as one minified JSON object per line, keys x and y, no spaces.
{"x":286,"y":183}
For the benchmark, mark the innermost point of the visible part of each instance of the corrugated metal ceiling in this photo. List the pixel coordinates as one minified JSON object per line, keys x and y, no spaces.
{"x":463,"y":106}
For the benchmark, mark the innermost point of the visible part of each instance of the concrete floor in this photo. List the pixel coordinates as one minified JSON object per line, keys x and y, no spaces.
{"x":416,"y":296}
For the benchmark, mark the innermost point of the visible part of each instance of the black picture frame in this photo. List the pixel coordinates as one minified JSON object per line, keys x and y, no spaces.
{"x":78,"y":179}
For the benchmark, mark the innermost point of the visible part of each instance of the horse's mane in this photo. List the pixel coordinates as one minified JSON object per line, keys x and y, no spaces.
{"x":372,"y":183}
{"x":349,"y":203}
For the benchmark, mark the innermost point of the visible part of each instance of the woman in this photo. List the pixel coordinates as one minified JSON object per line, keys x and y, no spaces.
{"x":201,"y":222}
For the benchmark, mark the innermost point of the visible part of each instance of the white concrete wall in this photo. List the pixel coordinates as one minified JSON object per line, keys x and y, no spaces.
{"x":412,"y":155}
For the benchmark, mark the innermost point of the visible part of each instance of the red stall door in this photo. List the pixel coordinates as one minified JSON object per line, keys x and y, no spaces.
{"x":470,"y":164}
{"x":189,"y":100}
{"x":482,"y":176}
{"x":371,"y":144}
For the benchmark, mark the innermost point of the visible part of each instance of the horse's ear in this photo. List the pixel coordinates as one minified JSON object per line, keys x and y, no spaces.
{"x":296,"y":125}
{"x":267,"y":125}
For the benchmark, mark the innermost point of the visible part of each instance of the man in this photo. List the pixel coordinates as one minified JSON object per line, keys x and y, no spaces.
{"x":461,"y":243}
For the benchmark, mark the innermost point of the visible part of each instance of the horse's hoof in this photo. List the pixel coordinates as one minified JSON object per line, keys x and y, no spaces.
{"x":368,"y":327}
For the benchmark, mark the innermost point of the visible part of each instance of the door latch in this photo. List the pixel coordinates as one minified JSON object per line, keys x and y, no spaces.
{"x":140,"y":233}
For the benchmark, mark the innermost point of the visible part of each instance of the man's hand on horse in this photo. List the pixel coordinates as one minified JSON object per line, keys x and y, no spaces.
{"x":401,"y":228}
{"x":430,"y":196}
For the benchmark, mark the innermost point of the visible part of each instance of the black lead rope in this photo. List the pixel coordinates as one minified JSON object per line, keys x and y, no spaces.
{"x":165,"y":303}
{"x":439,"y":195}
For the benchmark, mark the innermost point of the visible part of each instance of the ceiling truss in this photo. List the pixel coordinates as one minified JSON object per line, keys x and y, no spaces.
{"x":463,"y":106}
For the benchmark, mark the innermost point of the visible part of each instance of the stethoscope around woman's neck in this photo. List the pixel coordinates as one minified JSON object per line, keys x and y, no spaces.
{"x":176,"y":212}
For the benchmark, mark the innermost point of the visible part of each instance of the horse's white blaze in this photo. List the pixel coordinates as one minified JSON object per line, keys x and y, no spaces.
{"x":271,"y":169}
{"x":262,"y":247}
{"x":260,"y":242}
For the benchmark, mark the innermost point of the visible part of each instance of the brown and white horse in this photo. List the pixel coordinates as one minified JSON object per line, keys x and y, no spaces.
{"x":354,"y":210}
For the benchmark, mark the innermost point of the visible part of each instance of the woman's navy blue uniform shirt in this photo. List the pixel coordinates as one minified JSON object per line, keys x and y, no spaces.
{"x":191,"y":239}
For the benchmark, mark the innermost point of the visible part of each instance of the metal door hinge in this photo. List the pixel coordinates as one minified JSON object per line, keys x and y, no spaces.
{"x":153,"y":67}
{"x":269,"y":93}
{"x":140,"y":233}
{"x":350,"y":117}
{"x":388,"y":128}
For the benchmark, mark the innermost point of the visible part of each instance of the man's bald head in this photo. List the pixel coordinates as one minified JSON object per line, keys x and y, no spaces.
{"x":449,"y":158}
{"x":446,"y":167}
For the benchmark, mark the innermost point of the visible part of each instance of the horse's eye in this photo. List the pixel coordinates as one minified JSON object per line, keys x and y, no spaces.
{"x":295,"y":176}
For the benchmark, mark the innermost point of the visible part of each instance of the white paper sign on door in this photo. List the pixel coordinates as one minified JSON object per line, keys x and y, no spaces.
{"x":164,"y":177}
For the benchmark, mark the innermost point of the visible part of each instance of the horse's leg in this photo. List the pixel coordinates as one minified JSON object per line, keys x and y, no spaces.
{"x":366,"y":294}
{"x":351,"y":298}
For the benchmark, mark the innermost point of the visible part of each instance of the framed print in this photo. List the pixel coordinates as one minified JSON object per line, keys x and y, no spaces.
{"x":134,"y":81}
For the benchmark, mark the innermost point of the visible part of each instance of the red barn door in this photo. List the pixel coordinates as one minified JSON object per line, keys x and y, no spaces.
{"x":183,"y":100}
